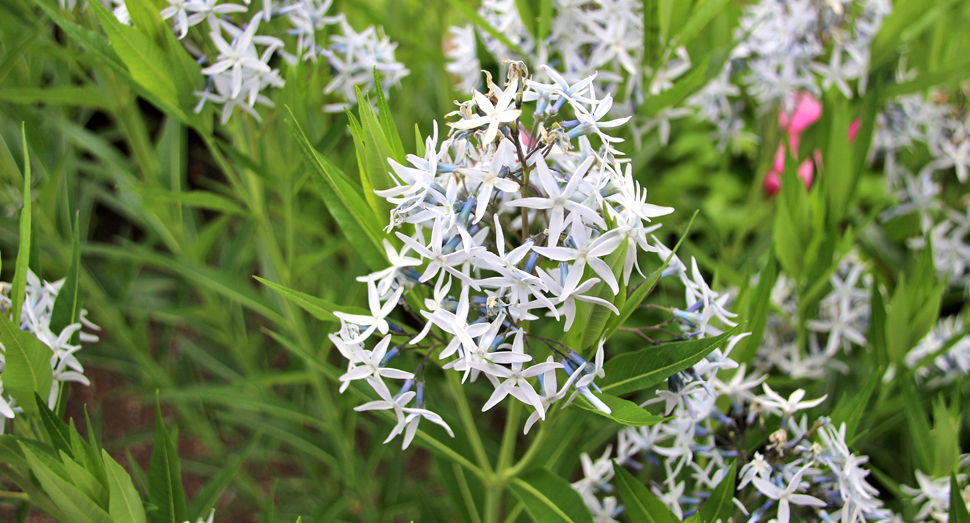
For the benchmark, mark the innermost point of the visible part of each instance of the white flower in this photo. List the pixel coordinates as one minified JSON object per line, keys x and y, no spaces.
{"x":787,"y":496}
{"x":786,"y":408}
{"x":495,"y":115}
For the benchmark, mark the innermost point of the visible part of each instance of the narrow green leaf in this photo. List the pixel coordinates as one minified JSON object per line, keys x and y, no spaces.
{"x":375,"y":172}
{"x":165,"y":476}
{"x":125,"y":505}
{"x":665,"y":11}
{"x":23,"y":254}
{"x":702,"y":14}
{"x":67,"y":305}
{"x":10,"y":451}
{"x":622,"y":411}
{"x":643,"y":289}
{"x":545,"y":19}
{"x":549,"y":499}
{"x":195,"y":199}
{"x":649,"y":367}
{"x":851,"y":408}
{"x":958,"y":507}
{"x":28,"y":366}
{"x":319,"y":308}
{"x":145,"y":60}
{"x":345,"y":201}
{"x":57,"y":430}
{"x":638,"y":502}
{"x":480,"y":22}
{"x":759,"y":305}
{"x":720,"y":506}
{"x":85,"y":481}
{"x":76,"y":506}
{"x":387,"y":120}
{"x":81,"y":96}
{"x":87,"y":456}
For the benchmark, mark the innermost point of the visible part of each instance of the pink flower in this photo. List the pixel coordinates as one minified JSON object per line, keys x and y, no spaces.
{"x":854,"y":129}
{"x":779,"y":163}
{"x":807,"y":111}
{"x":806,"y":171}
{"x":772,"y":183}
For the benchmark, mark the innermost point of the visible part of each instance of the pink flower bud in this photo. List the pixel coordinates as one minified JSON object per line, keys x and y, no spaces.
{"x":779,"y":163}
{"x":854,"y":129}
{"x":807,"y":111}
{"x":772,"y":183}
{"x":806,"y":171}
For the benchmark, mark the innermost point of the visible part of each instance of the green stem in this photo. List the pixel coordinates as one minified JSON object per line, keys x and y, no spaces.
{"x":530,"y":454}
{"x":468,"y":422}
{"x":507,"y":449}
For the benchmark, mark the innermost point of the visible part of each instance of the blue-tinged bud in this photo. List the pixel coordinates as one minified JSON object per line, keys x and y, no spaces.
{"x":675,"y":383}
{"x":466,"y":211}
{"x":396,"y":329}
{"x":563,"y":273}
{"x":410,"y":274}
{"x":419,"y":397}
{"x":697,"y":305}
{"x":452,"y":244}
{"x":530,"y":262}
{"x":577,"y":359}
{"x":542,"y":385}
{"x":692,"y":318}
{"x":495,"y":343}
{"x":389,"y":355}
{"x":445,"y":168}
{"x":405,"y":388}
{"x":558,"y":105}
{"x":449,"y":305}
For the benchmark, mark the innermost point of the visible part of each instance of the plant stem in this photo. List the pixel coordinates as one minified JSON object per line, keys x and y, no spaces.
{"x":469,"y":423}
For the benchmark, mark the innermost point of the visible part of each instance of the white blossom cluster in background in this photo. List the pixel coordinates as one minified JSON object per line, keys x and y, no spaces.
{"x":931,"y":123}
{"x":509,"y":227}
{"x":784,"y":47}
{"x":804,"y":473}
{"x":841,"y":324}
{"x":586,"y":38}
{"x":943,"y":356}
{"x":240,"y":68}
{"x":933,"y":494}
{"x":35,"y":318}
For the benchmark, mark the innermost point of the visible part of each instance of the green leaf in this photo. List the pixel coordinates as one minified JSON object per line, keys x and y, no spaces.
{"x":958,"y":507}
{"x":28,"y":366}
{"x":665,"y":11}
{"x":82,"y":96}
{"x":145,"y":60}
{"x":23,"y":254}
{"x":125,"y":505}
{"x":759,"y":305}
{"x":702,"y":14}
{"x":649,"y":367}
{"x":374,"y":171}
{"x":319,"y":308}
{"x":76,"y":506}
{"x":10,"y":451}
{"x":85,"y":481}
{"x":549,"y":499}
{"x":622,"y":411}
{"x":147,"y":19}
{"x":57,"y":430}
{"x":67,"y":305}
{"x":480,"y":22}
{"x":195,"y":199}
{"x":345,"y":201}
{"x":638,"y":502}
{"x":720,"y":506}
{"x":545,"y":19}
{"x":687,"y":85}
{"x":851,"y":408}
{"x":387,"y":120}
{"x":643,"y":288}
{"x":87,"y":455}
{"x":165,"y":477}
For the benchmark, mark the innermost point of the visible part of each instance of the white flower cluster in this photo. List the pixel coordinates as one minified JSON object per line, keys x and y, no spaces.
{"x":587,"y":37}
{"x":842,"y":322}
{"x":943,"y":356}
{"x":242,"y":68}
{"x":933,"y":494}
{"x":507,"y":225}
{"x":35,"y":318}
{"x":798,"y":472}
{"x":786,"y":47}
{"x":943,"y":128}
